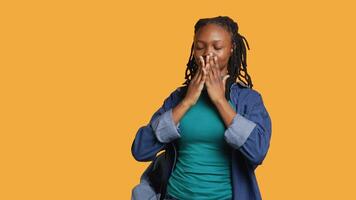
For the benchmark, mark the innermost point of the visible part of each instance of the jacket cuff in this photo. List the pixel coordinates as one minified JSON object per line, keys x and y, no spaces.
{"x":238,"y":131}
{"x":164,"y":127}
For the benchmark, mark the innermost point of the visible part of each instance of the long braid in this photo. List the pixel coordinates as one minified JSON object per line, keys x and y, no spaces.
{"x":237,"y":64}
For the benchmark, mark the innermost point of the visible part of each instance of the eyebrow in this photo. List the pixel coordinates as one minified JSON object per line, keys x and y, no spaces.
{"x":204,"y":42}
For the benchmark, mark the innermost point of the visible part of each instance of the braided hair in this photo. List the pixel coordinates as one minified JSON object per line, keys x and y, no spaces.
{"x":237,"y":64}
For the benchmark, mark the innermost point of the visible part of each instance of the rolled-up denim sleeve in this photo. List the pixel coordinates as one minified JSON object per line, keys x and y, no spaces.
{"x":164,"y":127}
{"x":145,"y":145}
{"x":239,"y":130}
{"x":251,"y":133}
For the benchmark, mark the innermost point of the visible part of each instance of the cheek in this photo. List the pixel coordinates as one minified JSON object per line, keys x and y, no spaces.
{"x":196,"y":57}
{"x":223,"y":60}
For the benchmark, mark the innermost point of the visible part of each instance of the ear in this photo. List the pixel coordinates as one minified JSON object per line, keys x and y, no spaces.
{"x":233,"y":47}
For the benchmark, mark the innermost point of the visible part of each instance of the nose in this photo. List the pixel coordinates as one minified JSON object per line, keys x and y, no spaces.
{"x":208,"y":54}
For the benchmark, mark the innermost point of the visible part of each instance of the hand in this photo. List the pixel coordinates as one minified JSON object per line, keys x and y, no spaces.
{"x":215,"y":83}
{"x":196,"y":84}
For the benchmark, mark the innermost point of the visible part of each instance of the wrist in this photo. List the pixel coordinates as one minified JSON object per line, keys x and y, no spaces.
{"x":220,"y":101}
{"x":187,"y":103}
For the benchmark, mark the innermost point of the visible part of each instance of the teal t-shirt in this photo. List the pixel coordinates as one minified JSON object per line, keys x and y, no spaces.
{"x":203,"y":168}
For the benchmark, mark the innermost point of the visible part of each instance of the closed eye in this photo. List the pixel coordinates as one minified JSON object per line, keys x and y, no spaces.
{"x":203,"y":48}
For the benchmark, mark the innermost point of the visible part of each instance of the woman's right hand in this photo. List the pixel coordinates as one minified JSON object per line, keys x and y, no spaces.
{"x":196,"y":84}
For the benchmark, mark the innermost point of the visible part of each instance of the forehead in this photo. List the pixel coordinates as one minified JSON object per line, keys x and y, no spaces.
{"x":212,"y":32}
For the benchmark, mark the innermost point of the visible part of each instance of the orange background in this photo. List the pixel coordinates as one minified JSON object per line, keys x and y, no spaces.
{"x":78,"y":78}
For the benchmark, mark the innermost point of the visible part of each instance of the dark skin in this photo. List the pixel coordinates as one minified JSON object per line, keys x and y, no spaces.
{"x":214,"y":42}
{"x":213,"y":39}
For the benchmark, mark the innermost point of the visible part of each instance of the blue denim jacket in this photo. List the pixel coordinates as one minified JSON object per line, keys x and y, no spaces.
{"x":249,"y":136}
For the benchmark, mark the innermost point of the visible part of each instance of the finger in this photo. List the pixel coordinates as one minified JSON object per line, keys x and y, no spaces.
{"x":212,"y":66}
{"x":224,"y":81}
{"x":196,"y":74}
{"x":201,"y":85}
{"x":201,"y":59}
{"x":211,"y":73}
{"x":215,"y":60}
{"x":208,"y":68}
{"x":211,"y":61}
{"x":225,"y":78}
{"x":202,"y":73}
{"x":199,"y":75}
{"x":207,"y":78}
{"x":205,"y":73}
{"x":205,"y":68}
{"x":216,"y":64}
{"x":216,"y":68}
{"x":210,"y":58}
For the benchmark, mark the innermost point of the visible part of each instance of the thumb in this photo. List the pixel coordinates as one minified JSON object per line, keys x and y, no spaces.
{"x":225,"y":78}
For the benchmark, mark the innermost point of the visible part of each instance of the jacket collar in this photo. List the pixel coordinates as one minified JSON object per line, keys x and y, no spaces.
{"x":239,"y":83}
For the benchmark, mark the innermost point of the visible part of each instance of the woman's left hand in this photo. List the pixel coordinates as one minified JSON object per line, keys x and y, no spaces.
{"x":215,"y":83}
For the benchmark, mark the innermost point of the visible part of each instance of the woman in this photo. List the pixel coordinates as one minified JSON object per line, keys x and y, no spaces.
{"x":219,"y":129}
